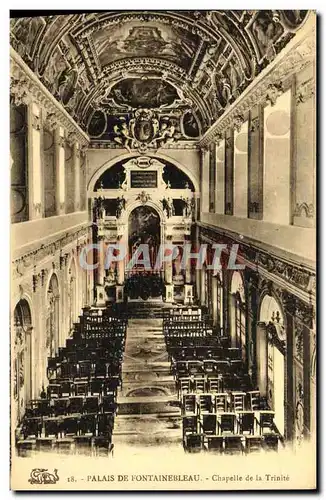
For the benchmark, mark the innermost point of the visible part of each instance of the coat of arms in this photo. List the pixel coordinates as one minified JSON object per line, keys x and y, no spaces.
{"x":144,"y":130}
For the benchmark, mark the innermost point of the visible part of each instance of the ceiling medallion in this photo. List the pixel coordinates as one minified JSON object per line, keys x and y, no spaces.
{"x":144,"y":131}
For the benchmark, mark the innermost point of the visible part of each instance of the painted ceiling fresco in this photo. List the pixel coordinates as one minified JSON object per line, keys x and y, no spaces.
{"x":184,"y":67}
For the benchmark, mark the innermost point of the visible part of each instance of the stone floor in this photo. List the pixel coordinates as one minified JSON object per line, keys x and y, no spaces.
{"x":148,"y":411}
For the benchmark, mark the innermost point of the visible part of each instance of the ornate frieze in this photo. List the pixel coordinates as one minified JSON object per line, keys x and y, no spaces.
{"x":26,"y":261}
{"x":298,"y":276}
{"x":305,"y":91}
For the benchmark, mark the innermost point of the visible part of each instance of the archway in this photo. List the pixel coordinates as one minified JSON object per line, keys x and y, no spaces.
{"x":52,"y":317}
{"x":271,"y":349}
{"x":238,"y":313}
{"x":144,"y":238}
{"x":22,"y":386}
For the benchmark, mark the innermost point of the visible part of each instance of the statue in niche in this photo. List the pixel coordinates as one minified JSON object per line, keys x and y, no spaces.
{"x":121,"y":206}
{"x":188,"y":207}
{"x":168,"y":207}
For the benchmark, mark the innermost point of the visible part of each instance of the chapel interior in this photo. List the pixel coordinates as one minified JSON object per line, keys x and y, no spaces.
{"x":151,"y":128}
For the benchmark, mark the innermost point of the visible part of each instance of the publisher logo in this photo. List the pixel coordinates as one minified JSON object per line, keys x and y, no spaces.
{"x":42,"y":476}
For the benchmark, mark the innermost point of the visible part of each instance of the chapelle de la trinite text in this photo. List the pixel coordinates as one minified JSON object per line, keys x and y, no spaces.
{"x":234,"y":478}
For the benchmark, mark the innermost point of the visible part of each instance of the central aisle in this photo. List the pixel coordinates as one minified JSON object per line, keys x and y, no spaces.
{"x":148,"y":411}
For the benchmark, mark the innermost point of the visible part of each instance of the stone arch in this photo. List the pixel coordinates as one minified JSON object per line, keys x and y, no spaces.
{"x":127,"y":156}
{"x":270,"y":355}
{"x":22,"y":357}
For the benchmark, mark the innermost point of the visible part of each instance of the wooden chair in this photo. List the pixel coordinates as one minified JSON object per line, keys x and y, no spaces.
{"x":221,"y":402}
{"x":182,"y":369}
{"x":60,"y":406}
{"x":213,"y":385}
{"x":198,"y":384}
{"x":51,"y":427}
{"x":83,"y":444}
{"x":215,"y":444}
{"x":76,"y":404}
{"x":32,"y":427}
{"x":227,"y":422}
{"x":233,"y":444}
{"x":189,"y":404}
{"x":271,"y":442}
{"x":254,"y":444}
{"x":44,"y":444}
{"x":64,"y":445}
{"x":195,"y":367}
{"x":67,"y":388}
{"x":209,"y":423}
{"x":108,"y":404}
{"x":210,"y":366}
{"x":238,"y":401}
{"x":222,"y":366}
{"x":183,"y":386}
{"x":91,"y":404}
{"x":266,"y":421}
{"x":96,"y":386}
{"x":189,"y":425}
{"x":81,"y":387}
{"x":253,"y":400}
{"x":54,"y":391}
{"x":24,"y":447}
{"x":205,"y":403}
{"x":87,"y":425}
{"x":84,"y":369}
{"x":69,"y":426}
{"x":105,"y":423}
{"x":193,"y":443}
{"x":246,"y":422}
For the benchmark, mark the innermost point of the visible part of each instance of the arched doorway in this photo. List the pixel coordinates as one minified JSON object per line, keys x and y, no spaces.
{"x":144,"y":237}
{"x":238,"y":313}
{"x":271,"y":349}
{"x":72,"y":294}
{"x":52,"y":317}
{"x":22,"y":385}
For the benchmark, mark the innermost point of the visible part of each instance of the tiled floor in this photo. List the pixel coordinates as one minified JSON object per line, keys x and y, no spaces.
{"x":148,"y":412}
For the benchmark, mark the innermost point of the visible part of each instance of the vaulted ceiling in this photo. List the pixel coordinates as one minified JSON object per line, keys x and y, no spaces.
{"x":102,"y":66}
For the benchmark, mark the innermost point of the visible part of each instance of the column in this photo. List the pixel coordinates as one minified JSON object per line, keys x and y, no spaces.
{"x":277,"y":160}
{"x":168,"y":277}
{"x":240,"y":195}
{"x":60,"y":170}
{"x":35,"y":181}
{"x":120,"y":276}
{"x":214,"y":299}
{"x":229,"y":172}
{"x":255,"y":163}
{"x":77,"y":176}
{"x":289,"y":310}
{"x":202,"y":287}
{"x":220,"y":177}
{"x":101,"y":295}
{"x":204,"y":188}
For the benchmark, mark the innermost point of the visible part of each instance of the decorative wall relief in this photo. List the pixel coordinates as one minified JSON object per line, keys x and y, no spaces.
{"x":145,"y":130}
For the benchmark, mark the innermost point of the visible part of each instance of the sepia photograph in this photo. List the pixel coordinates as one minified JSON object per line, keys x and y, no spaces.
{"x":163,"y":250}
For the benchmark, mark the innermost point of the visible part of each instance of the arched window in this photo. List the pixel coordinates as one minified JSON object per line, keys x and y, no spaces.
{"x":22,"y":370}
